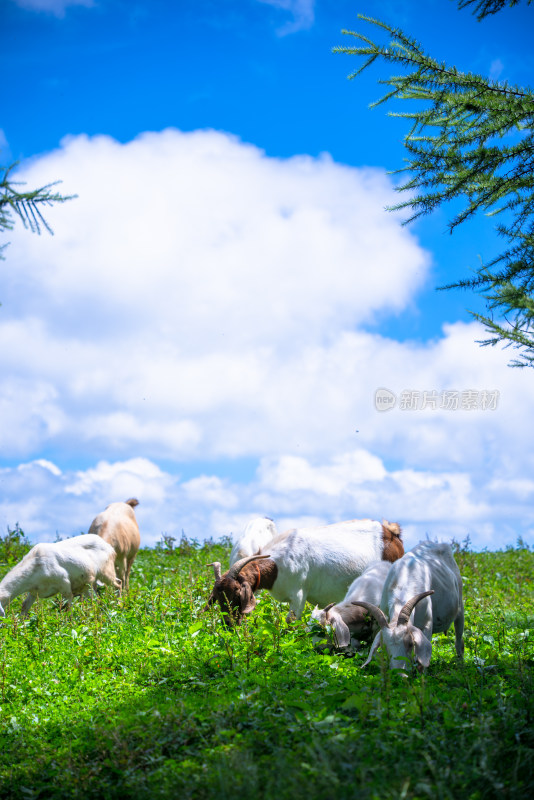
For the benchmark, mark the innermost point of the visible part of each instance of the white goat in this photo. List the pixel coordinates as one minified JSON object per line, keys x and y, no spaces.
{"x":257,"y":533}
{"x":68,"y":568}
{"x":349,"y":620}
{"x":117,"y":525}
{"x":315,"y":564}
{"x":426,"y":582}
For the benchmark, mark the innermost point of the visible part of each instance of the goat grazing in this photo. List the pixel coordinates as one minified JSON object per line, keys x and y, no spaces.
{"x":349,"y":620}
{"x":117,"y":525}
{"x":69,"y":568}
{"x":256,"y":535}
{"x":426,"y":582}
{"x":315,"y":564}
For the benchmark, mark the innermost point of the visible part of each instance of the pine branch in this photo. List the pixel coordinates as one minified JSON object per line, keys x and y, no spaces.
{"x":472,"y":139}
{"x":484,"y":8}
{"x":27,"y":206}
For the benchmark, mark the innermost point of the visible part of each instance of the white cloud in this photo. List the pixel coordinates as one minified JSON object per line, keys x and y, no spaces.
{"x":302,"y":11}
{"x":138,"y":476}
{"x":205,"y":239}
{"x":293,"y":491}
{"x":523,"y":489}
{"x":294,"y":473}
{"x":201,"y":302}
{"x":30,"y":412}
{"x":195,"y":323}
{"x":45,"y":464}
{"x":5,"y":151}
{"x":210,"y":491}
{"x":496,"y":69}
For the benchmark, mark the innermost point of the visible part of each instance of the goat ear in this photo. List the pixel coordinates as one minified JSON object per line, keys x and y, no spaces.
{"x":247,"y":601}
{"x":423,"y":648}
{"x":374,"y":648}
{"x":341,"y":629}
{"x":424,"y":658}
{"x":408,"y":642}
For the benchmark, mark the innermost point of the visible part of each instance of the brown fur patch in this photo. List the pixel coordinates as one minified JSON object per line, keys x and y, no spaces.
{"x":359,"y":622}
{"x":260,"y":574}
{"x":133,"y":502}
{"x":236,"y":596}
{"x":393,"y":547}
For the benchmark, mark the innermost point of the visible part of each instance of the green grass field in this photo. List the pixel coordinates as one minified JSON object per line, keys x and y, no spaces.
{"x":149,"y":697}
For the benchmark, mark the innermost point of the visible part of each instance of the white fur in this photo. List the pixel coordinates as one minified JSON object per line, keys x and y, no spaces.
{"x":429,"y":566}
{"x":319,"y":564}
{"x":68,"y":568}
{"x":368,"y":586}
{"x":117,"y":525}
{"x":257,"y":533}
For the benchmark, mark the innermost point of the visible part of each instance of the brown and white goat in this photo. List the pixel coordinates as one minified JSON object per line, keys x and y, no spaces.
{"x":118,"y":526}
{"x":315,"y":564}
{"x":348,"y":620}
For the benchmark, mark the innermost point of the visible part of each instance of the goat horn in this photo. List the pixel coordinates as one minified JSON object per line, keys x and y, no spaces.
{"x":406,"y":610}
{"x":375,"y":612}
{"x":326,"y":609}
{"x":236,"y":568}
{"x":216,"y":568}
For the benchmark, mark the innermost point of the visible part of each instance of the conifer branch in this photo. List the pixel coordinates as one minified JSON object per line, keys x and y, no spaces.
{"x":484,"y":8}
{"x":27,"y":206}
{"x":471,"y":138}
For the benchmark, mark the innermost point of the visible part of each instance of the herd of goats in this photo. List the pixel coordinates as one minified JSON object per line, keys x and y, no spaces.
{"x":365,"y":587}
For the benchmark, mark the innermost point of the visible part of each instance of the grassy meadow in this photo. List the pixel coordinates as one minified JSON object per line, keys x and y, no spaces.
{"x":148,"y":697}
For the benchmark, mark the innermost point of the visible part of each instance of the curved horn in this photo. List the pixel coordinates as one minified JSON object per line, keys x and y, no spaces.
{"x":406,"y":610}
{"x":216,"y":568}
{"x":236,"y":568}
{"x":326,"y":609}
{"x":375,"y":612}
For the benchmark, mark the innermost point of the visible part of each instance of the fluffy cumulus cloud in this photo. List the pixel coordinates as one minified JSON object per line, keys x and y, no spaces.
{"x":203,"y":303}
{"x":192,"y":297}
{"x":293,"y":490}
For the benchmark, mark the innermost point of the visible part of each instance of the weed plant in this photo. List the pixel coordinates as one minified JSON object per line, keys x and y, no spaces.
{"x":148,"y":696}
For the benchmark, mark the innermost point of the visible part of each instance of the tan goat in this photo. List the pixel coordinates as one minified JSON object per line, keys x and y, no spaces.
{"x":117,"y":525}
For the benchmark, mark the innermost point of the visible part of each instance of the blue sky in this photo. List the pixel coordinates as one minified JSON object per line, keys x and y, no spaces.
{"x":208,"y":325}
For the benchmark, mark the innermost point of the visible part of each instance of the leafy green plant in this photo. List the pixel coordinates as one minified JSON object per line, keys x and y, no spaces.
{"x":13,"y":546}
{"x":150,"y":696}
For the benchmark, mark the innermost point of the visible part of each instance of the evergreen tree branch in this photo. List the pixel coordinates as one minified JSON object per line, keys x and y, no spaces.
{"x":470,"y":138}
{"x":27,"y":206}
{"x":484,"y":8}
